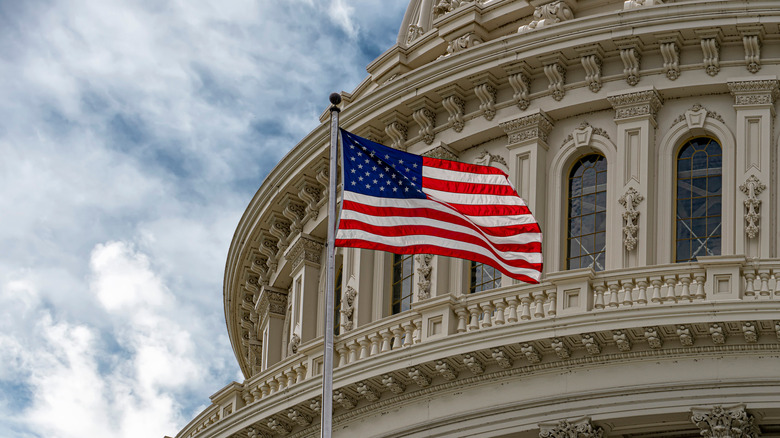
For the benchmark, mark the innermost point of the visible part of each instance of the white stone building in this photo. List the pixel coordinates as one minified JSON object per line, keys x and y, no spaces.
{"x":641,"y":134}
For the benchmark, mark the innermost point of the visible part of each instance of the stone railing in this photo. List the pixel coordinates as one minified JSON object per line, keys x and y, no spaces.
{"x":722,"y":279}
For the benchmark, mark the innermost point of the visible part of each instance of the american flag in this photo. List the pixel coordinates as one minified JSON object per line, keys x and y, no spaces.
{"x":409,"y":204}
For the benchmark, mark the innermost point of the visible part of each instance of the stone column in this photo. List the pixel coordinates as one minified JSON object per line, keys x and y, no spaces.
{"x":756,"y":190}
{"x":634,"y":187}
{"x":304,"y":255}
{"x":527,"y":145}
{"x":725,"y":422}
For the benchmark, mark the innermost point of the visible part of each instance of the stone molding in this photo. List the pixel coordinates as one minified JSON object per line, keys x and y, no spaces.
{"x":757,"y":92}
{"x":638,"y":104}
{"x":305,"y":248}
{"x":529,"y":128}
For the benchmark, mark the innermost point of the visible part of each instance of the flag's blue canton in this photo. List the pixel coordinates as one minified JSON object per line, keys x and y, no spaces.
{"x":376,"y":170}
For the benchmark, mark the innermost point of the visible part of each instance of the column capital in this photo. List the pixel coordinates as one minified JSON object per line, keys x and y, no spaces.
{"x":305,"y":248}
{"x":581,"y":428}
{"x":636,"y":104}
{"x":723,"y":422}
{"x":533,"y":127}
{"x":755,"y":91}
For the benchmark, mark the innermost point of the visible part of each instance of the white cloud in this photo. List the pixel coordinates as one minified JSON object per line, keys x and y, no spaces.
{"x":132,"y":137}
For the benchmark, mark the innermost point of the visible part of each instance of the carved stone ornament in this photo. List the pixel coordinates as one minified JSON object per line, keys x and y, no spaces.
{"x":583,"y":134}
{"x":582,"y":428}
{"x":292,"y":347}
{"x":442,"y":152}
{"x":630,"y":201}
{"x":548,"y":14}
{"x":425,"y":117}
{"x":752,"y":45}
{"x":348,"y":308}
{"x":462,"y":43}
{"x":413,"y":33}
{"x":633,"y":4}
{"x":305,"y":249}
{"x":752,"y":188}
{"x":761,"y":92}
{"x":638,"y":104}
{"x":724,"y":422}
{"x":631,"y":58}
{"x":521,"y":85}
{"x":397,"y":132}
{"x":443,"y":7}
{"x":671,"y":54}
{"x":532,"y":127}
{"x":697,"y":116}
{"x":592,"y":65}
{"x":485,"y":89}
{"x":711,"y":52}
{"x":487,"y":159}
{"x":556,"y":74}
{"x":272,"y":303}
{"x":424,"y":261}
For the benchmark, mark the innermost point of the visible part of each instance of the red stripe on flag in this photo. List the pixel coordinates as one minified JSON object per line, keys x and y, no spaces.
{"x":433,"y":249}
{"x":466,"y":187}
{"x":461,"y":167}
{"x":430,"y":213}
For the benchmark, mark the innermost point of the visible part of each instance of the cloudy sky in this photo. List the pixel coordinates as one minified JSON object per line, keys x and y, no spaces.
{"x":132,"y":136}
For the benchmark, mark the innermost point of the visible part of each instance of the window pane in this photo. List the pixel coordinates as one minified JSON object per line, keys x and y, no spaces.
{"x":587,"y":204}
{"x":699,"y":159}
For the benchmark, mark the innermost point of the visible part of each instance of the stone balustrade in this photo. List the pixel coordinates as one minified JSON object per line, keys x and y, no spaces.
{"x":713,"y":280}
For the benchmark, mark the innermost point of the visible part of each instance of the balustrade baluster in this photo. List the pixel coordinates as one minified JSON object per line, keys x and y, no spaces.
{"x":512,"y":315}
{"x":750,"y":276}
{"x":300,"y":371}
{"x":376,"y":341}
{"x":700,"y":278}
{"x":686,"y":290}
{"x":525,"y":302}
{"x":474,"y":322}
{"x":487,"y":314}
{"x":773,"y":283}
{"x":671,"y":284}
{"x":343,"y":355}
{"x":642,"y":285}
{"x":764,"y":274}
{"x":291,"y":377}
{"x":462,"y":317}
{"x":365,"y":344}
{"x":500,"y":306}
{"x":353,"y":350}
{"x":273,"y":385}
{"x":265,"y":389}
{"x":387,"y":336}
{"x":614,"y":286}
{"x":598,"y":302}
{"x":628,"y":298}
{"x":408,"y":333}
{"x":417,"y":331}
{"x":552,"y":299}
{"x":282,"y":379}
{"x":657,"y":283}
{"x":539,"y":300}
{"x":398,"y":334}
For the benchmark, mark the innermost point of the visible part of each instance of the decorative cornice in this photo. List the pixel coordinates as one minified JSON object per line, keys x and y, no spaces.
{"x":305,"y":248}
{"x":532,"y":127}
{"x":638,"y":104}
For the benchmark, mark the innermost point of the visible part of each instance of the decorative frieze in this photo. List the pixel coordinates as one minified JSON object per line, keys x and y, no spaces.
{"x":591,"y":346}
{"x":424,"y":269}
{"x":367,"y":391}
{"x":419,"y":377}
{"x":519,"y":77}
{"x":446,"y":370}
{"x":581,"y":428}
{"x":425,"y":117}
{"x":653,"y":339}
{"x":279,"y":427}
{"x":346,"y":401}
{"x":630,"y":201}
{"x":298,"y":417}
{"x":724,"y":422}
{"x":750,"y":332}
{"x":561,"y":350}
{"x":752,"y":188}
{"x":305,"y":248}
{"x":473,"y":363}
{"x":485,"y":88}
{"x":621,"y":340}
{"x":453,"y":101}
{"x":394,"y":385}
{"x":547,"y":14}
{"x":531,"y":353}
{"x":685,"y":336}
{"x":638,"y":104}
{"x":502,"y":358}
{"x":759,"y":92}
{"x":716,"y":332}
{"x":532,"y":127}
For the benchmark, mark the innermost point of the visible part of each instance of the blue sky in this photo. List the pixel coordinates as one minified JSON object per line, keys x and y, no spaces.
{"x":132,"y":136}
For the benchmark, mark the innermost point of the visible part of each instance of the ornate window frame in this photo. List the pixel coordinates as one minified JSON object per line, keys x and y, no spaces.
{"x":669,"y":147}
{"x":557,"y":209}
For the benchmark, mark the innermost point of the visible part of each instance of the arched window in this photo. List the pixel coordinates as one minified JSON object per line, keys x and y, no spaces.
{"x":484,"y":277}
{"x":699,"y":199}
{"x":587,"y":216}
{"x":402,"y":283}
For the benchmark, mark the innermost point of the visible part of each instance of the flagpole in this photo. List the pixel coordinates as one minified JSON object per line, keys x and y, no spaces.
{"x":326,"y":425}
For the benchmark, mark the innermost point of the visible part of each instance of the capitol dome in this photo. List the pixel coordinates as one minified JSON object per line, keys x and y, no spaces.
{"x":641,"y":135}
